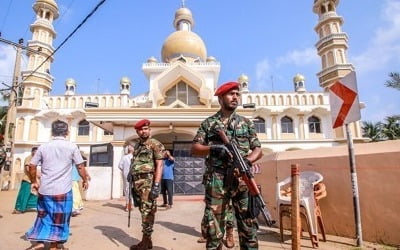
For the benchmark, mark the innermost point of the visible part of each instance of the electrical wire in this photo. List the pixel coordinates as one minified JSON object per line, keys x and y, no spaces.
{"x":6,"y":16}
{"x":63,"y":14}
{"x":66,"y":39}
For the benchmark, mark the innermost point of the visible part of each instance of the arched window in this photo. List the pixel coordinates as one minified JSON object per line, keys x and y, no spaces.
{"x":287,"y":124}
{"x":83,"y":127}
{"x":314,"y":124}
{"x":259,"y":124}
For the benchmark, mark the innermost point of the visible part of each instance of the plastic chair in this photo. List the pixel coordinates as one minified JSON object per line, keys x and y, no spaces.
{"x":310,"y":211}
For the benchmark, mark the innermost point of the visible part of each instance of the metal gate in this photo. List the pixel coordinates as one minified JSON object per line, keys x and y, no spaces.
{"x":188,"y":173}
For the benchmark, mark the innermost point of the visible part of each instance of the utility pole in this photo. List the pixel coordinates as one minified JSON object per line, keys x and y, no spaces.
{"x":12,"y":111}
{"x":14,"y":99}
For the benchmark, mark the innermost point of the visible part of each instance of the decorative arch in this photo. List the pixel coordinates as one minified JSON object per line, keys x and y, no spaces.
{"x":287,"y":124}
{"x":320,"y":100}
{"x":259,"y":124}
{"x":314,"y":124}
{"x":83,"y":128}
{"x":304,"y":100}
{"x":36,"y":99}
{"x":33,"y":130}
{"x":19,"y":133}
{"x":80,"y":102}
{"x":289,"y":100}
{"x":58,"y":103}
{"x":280,"y":100}
{"x":266,"y":100}
{"x":312,"y":100}
{"x":73,"y":102}
{"x":258,"y":100}
{"x":331,"y":59}
{"x":273,"y":100}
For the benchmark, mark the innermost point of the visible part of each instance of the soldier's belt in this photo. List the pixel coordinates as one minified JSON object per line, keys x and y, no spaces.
{"x":142,"y":176}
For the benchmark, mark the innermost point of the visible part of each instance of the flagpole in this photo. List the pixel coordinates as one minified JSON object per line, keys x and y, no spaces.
{"x":354,"y":184}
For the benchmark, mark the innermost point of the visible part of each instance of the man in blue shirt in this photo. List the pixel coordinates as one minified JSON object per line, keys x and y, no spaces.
{"x":167,"y":179}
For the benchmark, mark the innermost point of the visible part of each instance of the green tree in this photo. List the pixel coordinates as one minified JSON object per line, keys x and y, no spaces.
{"x":394,"y":81}
{"x":391,"y":127}
{"x":373,"y":131}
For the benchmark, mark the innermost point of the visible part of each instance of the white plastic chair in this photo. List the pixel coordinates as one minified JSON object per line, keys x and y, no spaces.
{"x":307,"y":181}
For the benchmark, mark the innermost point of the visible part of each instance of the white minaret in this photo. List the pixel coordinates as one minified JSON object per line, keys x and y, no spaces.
{"x":37,"y":80}
{"x":244,"y":83}
{"x":125,"y":86}
{"x":70,"y":86}
{"x":299,"y":83}
{"x":332,"y":45}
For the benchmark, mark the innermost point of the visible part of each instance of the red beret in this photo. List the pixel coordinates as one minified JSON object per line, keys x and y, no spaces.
{"x":142,"y":123}
{"x":226,"y":87}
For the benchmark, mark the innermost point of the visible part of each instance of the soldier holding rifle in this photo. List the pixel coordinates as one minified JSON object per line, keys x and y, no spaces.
{"x":145,"y":176}
{"x":223,"y":184}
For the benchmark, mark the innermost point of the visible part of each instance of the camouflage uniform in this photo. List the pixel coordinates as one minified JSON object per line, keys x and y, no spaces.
{"x":229,"y":211}
{"x":142,"y":171}
{"x":218,"y":196}
{"x":3,"y":157}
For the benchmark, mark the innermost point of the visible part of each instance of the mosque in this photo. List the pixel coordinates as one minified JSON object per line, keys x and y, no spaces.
{"x":181,"y":86}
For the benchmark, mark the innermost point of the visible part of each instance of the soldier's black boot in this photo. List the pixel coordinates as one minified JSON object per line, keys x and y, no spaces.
{"x":145,"y":244}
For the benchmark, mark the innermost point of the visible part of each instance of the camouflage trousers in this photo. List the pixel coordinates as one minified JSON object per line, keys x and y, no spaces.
{"x":228,"y":221}
{"x":147,"y":207}
{"x":218,"y":208}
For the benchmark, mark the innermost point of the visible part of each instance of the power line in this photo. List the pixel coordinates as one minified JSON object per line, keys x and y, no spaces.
{"x":6,"y":16}
{"x":63,"y":14}
{"x":66,"y":39}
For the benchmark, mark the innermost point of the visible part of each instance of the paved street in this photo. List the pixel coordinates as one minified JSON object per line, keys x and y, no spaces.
{"x":103,"y":226}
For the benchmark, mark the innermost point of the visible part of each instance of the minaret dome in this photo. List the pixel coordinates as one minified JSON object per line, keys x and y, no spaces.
{"x":299,"y":83}
{"x":244,"y":83}
{"x":70,"y":86}
{"x":125,"y":85}
{"x":183,"y":44}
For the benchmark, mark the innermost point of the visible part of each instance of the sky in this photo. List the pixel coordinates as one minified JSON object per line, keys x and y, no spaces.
{"x":269,"y":41}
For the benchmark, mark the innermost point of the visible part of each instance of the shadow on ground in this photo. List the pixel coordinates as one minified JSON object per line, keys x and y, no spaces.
{"x":118,"y":206}
{"x":118,"y":237}
{"x":268,"y":235}
{"x":179,"y":228}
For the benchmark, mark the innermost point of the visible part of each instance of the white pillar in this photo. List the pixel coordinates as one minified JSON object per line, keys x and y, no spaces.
{"x":116,"y":186}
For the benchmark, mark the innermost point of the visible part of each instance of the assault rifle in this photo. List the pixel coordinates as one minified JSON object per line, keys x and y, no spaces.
{"x":255,"y":200}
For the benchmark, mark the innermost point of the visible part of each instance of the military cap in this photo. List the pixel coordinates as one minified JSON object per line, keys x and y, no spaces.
{"x":142,"y":123}
{"x":226,"y":87}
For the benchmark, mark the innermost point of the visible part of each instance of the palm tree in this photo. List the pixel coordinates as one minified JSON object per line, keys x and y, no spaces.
{"x":394,"y":81}
{"x":373,"y":131}
{"x":391,"y":127}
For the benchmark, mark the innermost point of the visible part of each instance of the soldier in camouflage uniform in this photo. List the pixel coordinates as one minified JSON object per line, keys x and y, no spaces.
{"x":145,"y":175}
{"x":221,"y":186}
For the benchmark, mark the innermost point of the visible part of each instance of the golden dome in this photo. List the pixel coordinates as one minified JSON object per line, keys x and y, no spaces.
{"x":183,"y":43}
{"x":183,"y":14}
{"x":298,"y":78}
{"x":53,"y":6}
{"x":243,"y":78}
{"x":51,"y":2}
